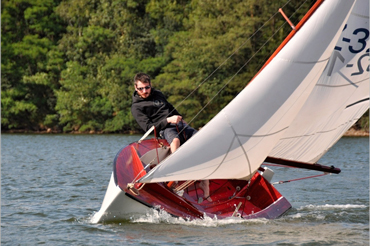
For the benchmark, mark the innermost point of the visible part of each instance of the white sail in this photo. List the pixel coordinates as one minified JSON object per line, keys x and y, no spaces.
{"x":237,"y":140}
{"x":339,"y":99}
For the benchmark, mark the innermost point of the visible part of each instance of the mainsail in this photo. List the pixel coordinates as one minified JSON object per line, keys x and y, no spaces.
{"x":339,"y":99}
{"x":237,"y":140}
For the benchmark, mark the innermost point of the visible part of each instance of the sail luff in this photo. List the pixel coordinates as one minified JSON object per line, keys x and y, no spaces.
{"x":237,"y":140}
{"x":292,"y":33}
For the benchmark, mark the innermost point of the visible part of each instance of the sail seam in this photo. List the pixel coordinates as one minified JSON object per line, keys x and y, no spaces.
{"x":320,"y":132}
{"x":323,"y":85}
{"x":264,"y":135}
{"x":303,"y":62}
{"x":361,"y":16}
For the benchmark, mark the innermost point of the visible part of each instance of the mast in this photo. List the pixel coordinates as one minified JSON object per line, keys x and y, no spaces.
{"x":292,"y":33}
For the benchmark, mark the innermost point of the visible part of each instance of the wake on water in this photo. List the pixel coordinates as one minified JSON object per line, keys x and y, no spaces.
{"x":330,"y":207}
{"x":303,"y":213}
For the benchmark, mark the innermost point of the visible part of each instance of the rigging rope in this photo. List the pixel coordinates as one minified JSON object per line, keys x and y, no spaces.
{"x":245,"y":64}
{"x":291,"y":180}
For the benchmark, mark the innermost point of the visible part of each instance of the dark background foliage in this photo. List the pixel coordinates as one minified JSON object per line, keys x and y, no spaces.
{"x":68,"y":65}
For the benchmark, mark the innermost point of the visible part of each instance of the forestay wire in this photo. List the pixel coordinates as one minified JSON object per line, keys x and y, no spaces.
{"x":228,"y":58}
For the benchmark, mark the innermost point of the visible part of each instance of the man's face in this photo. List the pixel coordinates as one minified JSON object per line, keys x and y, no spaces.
{"x":143,"y":89}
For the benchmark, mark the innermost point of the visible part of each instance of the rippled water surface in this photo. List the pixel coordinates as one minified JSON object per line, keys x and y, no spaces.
{"x":51,"y":185}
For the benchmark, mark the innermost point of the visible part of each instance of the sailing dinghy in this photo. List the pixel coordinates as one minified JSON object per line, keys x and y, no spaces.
{"x":319,"y":88}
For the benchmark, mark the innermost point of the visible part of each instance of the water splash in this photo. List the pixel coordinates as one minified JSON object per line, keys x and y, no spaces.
{"x":156,"y":216}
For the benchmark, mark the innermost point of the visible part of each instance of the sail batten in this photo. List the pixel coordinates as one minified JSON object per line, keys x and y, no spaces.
{"x":359,"y":101}
{"x":237,"y":140}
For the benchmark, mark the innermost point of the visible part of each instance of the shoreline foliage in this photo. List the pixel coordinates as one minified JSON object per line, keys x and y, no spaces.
{"x":68,"y":65}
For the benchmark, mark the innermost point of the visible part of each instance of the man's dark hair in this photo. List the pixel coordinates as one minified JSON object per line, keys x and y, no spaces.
{"x":142,"y":77}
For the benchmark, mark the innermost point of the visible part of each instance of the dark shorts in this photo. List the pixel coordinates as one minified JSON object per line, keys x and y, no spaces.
{"x":182,"y":132}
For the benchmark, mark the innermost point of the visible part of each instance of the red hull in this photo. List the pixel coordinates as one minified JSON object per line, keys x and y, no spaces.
{"x":257,"y":199}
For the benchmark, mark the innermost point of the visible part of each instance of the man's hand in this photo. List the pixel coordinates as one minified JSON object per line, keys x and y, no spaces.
{"x":174,"y":119}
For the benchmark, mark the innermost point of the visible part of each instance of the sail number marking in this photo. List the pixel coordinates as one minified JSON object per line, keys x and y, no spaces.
{"x":360,"y":40}
{"x":362,"y":35}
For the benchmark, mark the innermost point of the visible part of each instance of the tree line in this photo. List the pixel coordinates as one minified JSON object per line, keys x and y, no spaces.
{"x":68,"y":65}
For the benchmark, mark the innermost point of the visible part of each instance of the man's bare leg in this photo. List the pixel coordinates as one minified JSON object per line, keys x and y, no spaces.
{"x":175,"y":145}
{"x":204,"y":185}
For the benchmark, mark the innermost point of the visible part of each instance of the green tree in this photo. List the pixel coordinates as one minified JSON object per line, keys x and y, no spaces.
{"x":107,"y":42}
{"x":70,"y":63}
{"x":30,"y":64}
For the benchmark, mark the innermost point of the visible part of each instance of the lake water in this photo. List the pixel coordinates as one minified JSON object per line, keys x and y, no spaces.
{"x":51,"y":185}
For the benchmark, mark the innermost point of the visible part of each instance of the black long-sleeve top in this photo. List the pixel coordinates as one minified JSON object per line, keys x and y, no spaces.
{"x":153,"y":110}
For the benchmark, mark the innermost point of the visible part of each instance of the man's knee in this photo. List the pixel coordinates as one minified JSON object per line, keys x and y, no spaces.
{"x":176,"y":142}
